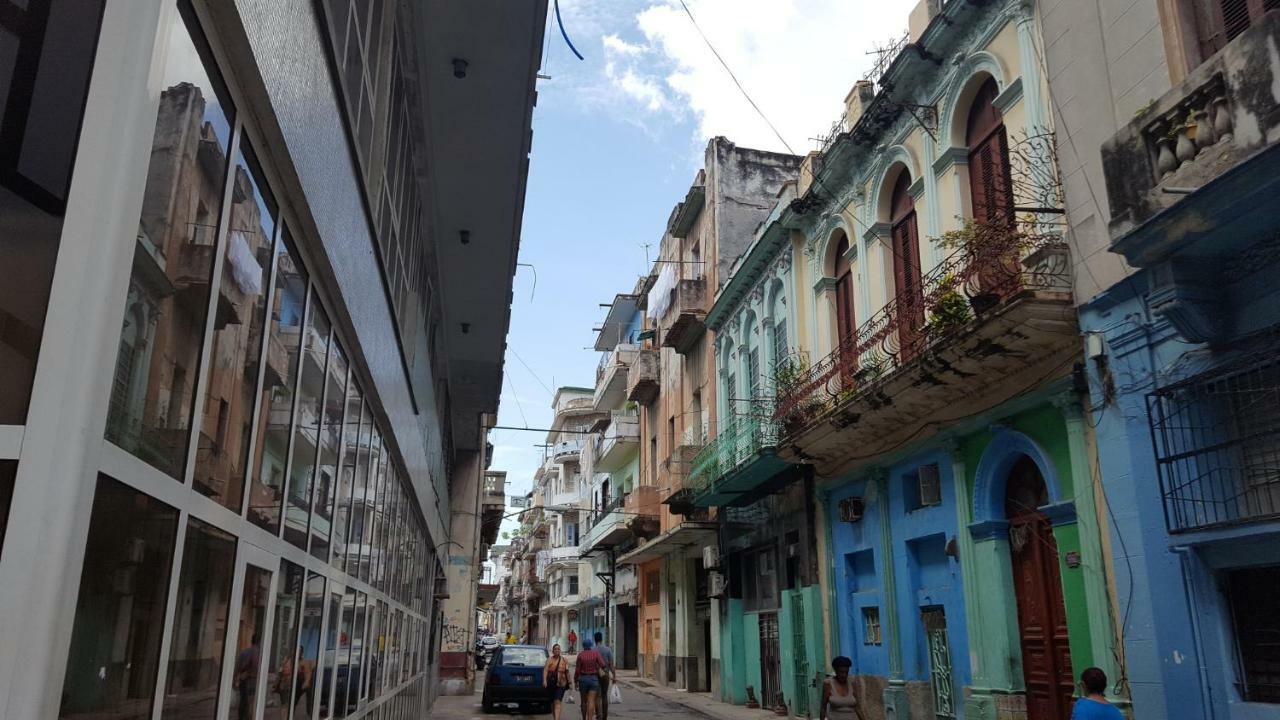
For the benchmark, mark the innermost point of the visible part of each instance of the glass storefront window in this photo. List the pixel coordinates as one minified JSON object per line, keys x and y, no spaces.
{"x":359,"y":650}
{"x":288,"y":305}
{"x":46,"y":56}
{"x":328,"y":670}
{"x":335,"y":400}
{"x":371,"y":448}
{"x":308,"y":416}
{"x":373,"y":511}
{"x":347,"y":692}
{"x":306,"y":682}
{"x":239,"y":315}
{"x":284,"y":641}
{"x":356,"y":428}
{"x":253,"y":623}
{"x":199,"y":623}
{"x":119,"y":620}
{"x":157,"y":362}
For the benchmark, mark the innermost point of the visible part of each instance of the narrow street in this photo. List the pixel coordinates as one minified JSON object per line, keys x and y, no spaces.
{"x":636,"y":704}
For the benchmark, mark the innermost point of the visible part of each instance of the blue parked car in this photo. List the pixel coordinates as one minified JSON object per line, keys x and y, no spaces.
{"x":515,"y":676}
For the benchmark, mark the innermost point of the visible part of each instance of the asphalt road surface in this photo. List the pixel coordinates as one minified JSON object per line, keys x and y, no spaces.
{"x":636,"y":705}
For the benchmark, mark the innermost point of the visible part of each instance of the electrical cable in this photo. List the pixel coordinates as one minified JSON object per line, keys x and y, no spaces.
{"x":531,"y":372}
{"x":564,"y":34}
{"x":520,"y":407}
{"x":733,"y":77}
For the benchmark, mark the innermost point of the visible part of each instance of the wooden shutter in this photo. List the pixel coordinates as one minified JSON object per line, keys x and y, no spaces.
{"x":990,"y":180}
{"x":1228,"y":19}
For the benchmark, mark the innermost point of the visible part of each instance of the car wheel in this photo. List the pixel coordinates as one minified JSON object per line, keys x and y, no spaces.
{"x":487,"y":704}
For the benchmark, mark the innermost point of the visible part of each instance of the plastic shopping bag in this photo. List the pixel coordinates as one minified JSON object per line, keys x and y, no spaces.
{"x":569,"y":696}
{"x":615,"y":695}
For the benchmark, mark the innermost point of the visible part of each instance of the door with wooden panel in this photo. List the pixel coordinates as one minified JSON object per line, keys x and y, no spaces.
{"x":904,"y":243}
{"x":993,"y":271}
{"x":1042,"y":616}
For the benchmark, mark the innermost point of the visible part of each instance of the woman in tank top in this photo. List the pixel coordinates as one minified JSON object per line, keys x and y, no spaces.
{"x":840,"y":693}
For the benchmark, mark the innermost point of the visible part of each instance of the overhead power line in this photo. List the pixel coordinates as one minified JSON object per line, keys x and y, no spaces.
{"x":733,"y":77}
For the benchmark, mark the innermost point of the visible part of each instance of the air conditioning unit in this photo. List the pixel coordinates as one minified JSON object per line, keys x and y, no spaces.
{"x":711,"y":557}
{"x":851,"y":509}
{"x":716,"y":585}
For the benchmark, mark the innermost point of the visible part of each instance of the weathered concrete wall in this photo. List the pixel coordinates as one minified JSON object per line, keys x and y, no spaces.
{"x":1105,"y":61}
{"x":743,"y":184}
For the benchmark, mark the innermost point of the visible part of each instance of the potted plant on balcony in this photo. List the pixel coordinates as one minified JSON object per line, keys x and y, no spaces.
{"x":948,"y":308}
{"x":991,"y":255}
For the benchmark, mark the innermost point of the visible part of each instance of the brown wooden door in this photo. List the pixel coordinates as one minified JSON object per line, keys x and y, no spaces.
{"x":906,"y":278}
{"x":1042,"y":617}
{"x":770,"y":662}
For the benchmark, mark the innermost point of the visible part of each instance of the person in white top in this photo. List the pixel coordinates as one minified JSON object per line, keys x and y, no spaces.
{"x":840,"y":693}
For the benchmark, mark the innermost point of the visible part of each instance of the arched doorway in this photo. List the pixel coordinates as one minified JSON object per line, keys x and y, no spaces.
{"x":906,"y":266}
{"x":1037,"y":582}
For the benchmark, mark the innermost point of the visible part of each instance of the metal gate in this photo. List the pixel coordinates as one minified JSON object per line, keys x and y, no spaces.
{"x":770,"y":667}
{"x":800,"y":703}
{"x":935,"y":627}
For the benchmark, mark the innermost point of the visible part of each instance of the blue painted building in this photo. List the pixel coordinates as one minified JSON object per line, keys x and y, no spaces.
{"x":1184,"y":371}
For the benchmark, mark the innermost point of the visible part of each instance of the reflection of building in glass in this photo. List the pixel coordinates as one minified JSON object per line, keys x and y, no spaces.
{"x":229,"y":457}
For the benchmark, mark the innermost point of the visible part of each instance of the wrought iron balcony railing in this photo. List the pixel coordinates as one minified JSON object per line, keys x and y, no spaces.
{"x":737,"y":442}
{"x":989,"y":268}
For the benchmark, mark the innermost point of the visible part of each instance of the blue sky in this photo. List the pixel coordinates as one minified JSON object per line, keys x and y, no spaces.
{"x":617,"y":140}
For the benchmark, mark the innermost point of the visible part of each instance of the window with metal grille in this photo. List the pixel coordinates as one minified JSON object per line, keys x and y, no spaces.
{"x":871,"y":626}
{"x":1252,"y":593}
{"x":923,"y":487}
{"x":779,"y":341}
{"x":1217,"y":443}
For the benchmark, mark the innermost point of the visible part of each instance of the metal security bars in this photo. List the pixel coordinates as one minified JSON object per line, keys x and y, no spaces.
{"x":1217,"y":444}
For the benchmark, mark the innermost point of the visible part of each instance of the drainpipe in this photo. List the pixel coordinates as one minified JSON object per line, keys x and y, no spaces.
{"x":1184,"y":558}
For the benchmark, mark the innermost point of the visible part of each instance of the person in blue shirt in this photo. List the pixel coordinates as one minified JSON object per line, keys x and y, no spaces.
{"x":1094,"y":704}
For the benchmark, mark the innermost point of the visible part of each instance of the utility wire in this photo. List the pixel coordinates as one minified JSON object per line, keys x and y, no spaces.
{"x":727,"y":69}
{"x":531,"y":372}
{"x":520,"y":407}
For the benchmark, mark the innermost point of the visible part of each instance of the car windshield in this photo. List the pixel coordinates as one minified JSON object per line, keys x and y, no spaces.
{"x":524,"y":657}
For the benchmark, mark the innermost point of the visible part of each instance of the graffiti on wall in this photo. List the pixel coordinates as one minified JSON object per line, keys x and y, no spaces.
{"x":454,"y":637}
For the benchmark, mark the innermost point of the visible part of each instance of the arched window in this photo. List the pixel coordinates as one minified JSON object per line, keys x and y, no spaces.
{"x":845,"y":328}
{"x":990,"y":183}
{"x":906,"y":263}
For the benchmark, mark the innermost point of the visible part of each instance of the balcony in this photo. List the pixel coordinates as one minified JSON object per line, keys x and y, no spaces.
{"x":740,"y":465}
{"x":641,"y":508}
{"x":1192,"y":182}
{"x":611,"y":376}
{"x":994,"y":319}
{"x":495,"y":488}
{"x":566,"y":501}
{"x":192,"y":269}
{"x":684,"y":324}
{"x":607,"y":526}
{"x":620,"y":443}
{"x":564,"y":555}
{"x":642,"y":377}
{"x":566,"y":450}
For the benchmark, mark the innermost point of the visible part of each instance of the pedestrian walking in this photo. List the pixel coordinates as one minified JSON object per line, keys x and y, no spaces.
{"x":840,"y":693}
{"x":555,"y":676}
{"x":586,"y":673}
{"x":573,"y":641}
{"x":606,"y":675}
{"x":1094,"y":705}
{"x":246,"y":677}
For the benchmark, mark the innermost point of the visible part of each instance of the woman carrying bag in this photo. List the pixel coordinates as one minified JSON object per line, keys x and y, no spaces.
{"x":555,"y":676}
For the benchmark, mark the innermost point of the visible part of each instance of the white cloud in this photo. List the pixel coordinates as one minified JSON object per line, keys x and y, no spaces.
{"x":618,"y":46}
{"x":797,"y":58}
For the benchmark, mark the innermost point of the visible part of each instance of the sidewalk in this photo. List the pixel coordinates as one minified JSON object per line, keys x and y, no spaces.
{"x":700,"y":703}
